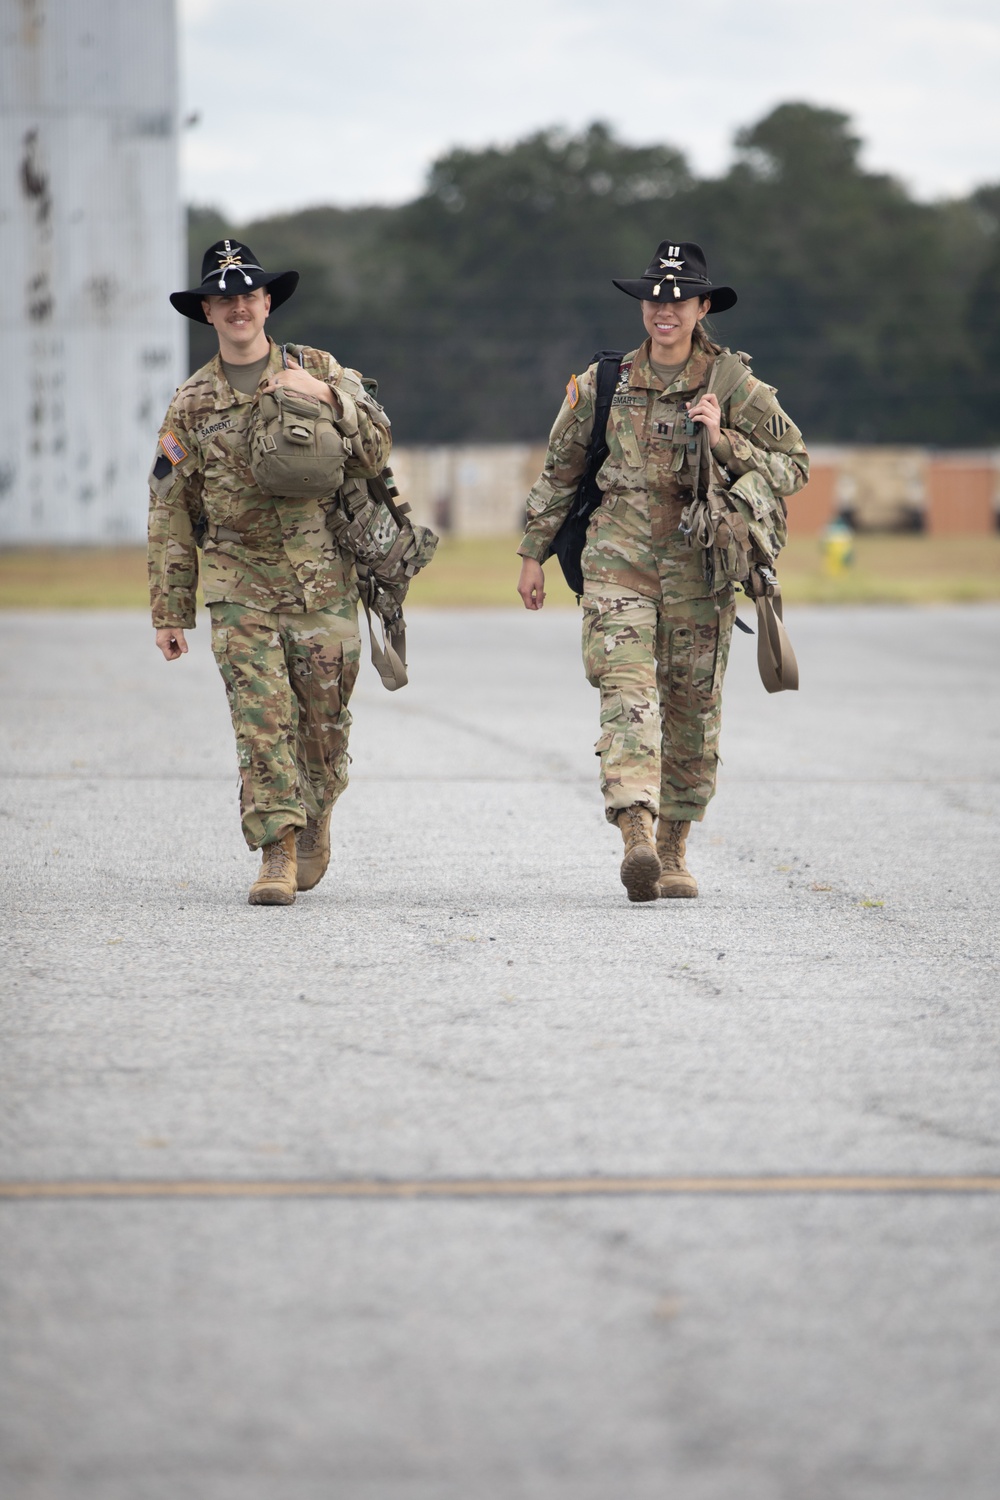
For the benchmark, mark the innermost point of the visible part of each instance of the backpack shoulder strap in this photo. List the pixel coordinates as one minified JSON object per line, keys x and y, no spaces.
{"x":608,"y":362}
{"x":728,"y":370}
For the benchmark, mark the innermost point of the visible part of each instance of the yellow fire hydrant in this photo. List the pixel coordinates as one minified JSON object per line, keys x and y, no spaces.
{"x":837,"y":544}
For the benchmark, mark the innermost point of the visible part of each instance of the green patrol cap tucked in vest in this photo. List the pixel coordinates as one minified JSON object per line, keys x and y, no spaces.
{"x":676,"y":272}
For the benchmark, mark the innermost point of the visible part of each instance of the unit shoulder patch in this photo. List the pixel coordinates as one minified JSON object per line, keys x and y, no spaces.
{"x":175,"y":451}
{"x":624,"y":371}
{"x":573,"y":393}
{"x":777,"y":425}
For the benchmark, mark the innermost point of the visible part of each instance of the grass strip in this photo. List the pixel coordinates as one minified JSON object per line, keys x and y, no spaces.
{"x":471,"y":572}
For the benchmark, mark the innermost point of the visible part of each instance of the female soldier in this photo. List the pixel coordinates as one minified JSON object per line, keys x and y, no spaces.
{"x":656,"y":622}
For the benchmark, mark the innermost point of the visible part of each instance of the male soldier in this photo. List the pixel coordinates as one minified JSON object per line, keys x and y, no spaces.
{"x":282,"y":597}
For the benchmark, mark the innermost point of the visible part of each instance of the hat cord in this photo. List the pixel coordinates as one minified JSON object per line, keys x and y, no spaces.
{"x":232,"y":261}
{"x":243,"y":272}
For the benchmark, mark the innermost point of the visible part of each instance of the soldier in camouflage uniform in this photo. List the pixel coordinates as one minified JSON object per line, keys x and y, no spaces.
{"x":656,"y":633}
{"x":282,"y":597}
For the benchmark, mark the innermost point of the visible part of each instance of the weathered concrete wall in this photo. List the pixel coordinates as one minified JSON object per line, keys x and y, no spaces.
{"x":91,"y":241}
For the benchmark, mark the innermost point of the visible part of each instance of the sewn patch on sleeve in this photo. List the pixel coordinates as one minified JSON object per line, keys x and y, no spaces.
{"x":777,"y":425}
{"x":162,"y":467}
{"x":175,"y":451}
{"x":573,"y":393}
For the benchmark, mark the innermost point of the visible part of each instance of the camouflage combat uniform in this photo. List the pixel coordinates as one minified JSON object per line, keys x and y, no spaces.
{"x":655,"y":633}
{"x":282,"y":597}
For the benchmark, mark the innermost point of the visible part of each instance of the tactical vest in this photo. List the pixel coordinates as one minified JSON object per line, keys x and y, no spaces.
{"x":368,"y":520}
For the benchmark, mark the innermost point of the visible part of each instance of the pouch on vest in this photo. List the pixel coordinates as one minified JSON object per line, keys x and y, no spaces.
{"x":295,"y":448}
{"x":369,"y":521}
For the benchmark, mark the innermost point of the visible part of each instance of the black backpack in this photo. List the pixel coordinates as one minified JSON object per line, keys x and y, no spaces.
{"x":567,"y":544}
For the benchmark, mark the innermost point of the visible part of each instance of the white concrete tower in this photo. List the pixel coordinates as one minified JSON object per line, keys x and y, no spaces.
{"x":91,"y":244}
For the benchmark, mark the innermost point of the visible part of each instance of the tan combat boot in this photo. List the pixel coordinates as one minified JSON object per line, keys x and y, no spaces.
{"x":640,"y":867}
{"x":671,"y":842}
{"x":312,"y":850}
{"x":275,"y":885}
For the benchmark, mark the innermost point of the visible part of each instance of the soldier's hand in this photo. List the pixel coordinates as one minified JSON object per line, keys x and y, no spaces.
{"x":171,"y":642}
{"x":531,"y":584}
{"x":708,"y":411}
{"x":299,"y":380}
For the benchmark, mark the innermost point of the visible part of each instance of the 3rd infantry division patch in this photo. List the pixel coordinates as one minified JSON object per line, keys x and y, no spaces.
{"x":777,"y":425}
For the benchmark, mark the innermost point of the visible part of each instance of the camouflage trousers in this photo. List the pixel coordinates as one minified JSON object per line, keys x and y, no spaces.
{"x":288,"y":680}
{"x":659,"y":668}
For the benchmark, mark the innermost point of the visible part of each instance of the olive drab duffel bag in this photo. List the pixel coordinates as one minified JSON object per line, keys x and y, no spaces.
{"x":297,"y":444}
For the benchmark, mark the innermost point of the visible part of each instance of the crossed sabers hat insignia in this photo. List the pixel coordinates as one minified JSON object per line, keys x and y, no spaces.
{"x":231,"y":259}
{"x":673,"y":265}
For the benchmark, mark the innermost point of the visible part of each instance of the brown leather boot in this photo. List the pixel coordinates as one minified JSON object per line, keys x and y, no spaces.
{"x":671,"y":843}
{"x":275,"y":885}
{"x":640,"y":867}
{"x":312,"y":851}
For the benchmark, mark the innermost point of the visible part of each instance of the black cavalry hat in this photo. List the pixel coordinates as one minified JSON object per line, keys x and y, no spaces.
{"x":675,"y":273}
{"x":228,"y":268}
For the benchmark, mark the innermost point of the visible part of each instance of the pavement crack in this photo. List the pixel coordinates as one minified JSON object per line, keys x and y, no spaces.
{"x":937,"y":1128}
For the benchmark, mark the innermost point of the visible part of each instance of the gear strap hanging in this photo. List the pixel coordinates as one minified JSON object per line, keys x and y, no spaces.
{"x":776,"y":663}
{"x":779,"y":671}
{"x":389,"y":658}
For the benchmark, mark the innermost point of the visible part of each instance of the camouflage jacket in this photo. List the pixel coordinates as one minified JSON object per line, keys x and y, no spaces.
{"x":633,"y":540}
{"x":272,"y":554}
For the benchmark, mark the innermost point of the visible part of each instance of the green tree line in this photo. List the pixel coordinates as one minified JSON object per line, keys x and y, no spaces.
{"x":875,"y":315}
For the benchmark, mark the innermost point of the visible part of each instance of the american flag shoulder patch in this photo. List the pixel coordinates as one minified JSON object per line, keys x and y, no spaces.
{"x":573,"y":393}
{"x":777,"y":425}
{"x":175,"y":451}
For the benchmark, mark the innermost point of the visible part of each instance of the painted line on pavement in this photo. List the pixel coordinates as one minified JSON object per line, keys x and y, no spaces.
{"x":497,"y":1187}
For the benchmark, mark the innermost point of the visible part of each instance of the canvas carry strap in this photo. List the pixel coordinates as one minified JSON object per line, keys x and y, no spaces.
{"x":727,"y":371}
{"x":389,"y":658}
{"x":378,"y":487}
{"x":779,"y":671}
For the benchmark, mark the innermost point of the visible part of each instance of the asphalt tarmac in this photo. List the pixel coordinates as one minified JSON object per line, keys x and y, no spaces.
{"x":341,"y":1201}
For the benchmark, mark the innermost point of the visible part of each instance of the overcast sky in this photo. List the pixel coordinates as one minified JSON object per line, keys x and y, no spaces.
{"x":316,"y":101}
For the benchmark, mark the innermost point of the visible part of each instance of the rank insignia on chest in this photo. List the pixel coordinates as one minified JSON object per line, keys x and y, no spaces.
{"x":573,"y":393}
{"x":777,"y":425}
{"x":664,"y":429}
{"x":175,"y":451}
